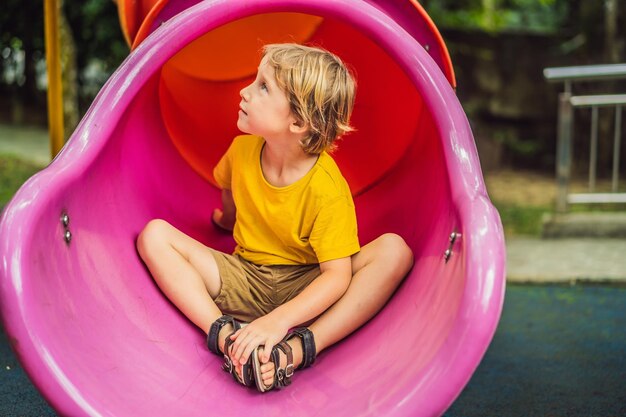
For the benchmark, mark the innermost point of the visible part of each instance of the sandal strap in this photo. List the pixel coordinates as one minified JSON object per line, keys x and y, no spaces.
{"x":228,"y":365}
{"x":283,"y":376}
{"x":247,"y":378}
{"x":308,"y":345}
{"x":212,"y":339}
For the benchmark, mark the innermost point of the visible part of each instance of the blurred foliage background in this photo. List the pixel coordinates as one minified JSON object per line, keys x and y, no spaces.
{"x":92,"y":44}
{"x":497,"y":15}
{"x":498,"y":48}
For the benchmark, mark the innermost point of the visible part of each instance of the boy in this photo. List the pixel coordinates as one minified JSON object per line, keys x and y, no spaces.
{"x":297,"y":259}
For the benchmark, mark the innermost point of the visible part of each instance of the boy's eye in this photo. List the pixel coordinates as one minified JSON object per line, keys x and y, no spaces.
{"x":264,"y":86}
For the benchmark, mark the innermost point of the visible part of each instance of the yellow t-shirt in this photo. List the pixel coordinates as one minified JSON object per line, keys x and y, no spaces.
{"x":307,"y":222}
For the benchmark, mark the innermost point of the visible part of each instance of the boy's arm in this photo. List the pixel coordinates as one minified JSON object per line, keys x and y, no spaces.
{"x":270,"y":329}
{"x":225,"y":218}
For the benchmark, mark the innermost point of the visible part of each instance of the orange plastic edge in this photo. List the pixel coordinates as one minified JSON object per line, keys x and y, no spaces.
{"x":449,"y":70}
{"x":122,"y":11}
{"x":146,"y":25}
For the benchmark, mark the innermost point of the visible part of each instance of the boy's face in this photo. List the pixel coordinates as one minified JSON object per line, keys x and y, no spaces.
{"x":264,"y":109}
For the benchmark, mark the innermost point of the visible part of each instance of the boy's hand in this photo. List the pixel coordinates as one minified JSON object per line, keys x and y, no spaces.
{"x":218,"y":220}
{"x":267,"y":331}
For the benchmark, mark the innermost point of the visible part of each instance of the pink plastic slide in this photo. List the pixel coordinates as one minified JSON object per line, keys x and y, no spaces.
{"x":85,"y":318}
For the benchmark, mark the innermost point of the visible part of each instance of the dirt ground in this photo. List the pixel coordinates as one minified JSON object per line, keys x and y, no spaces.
{"x":537,"y":189}
{"x":521,"y":188}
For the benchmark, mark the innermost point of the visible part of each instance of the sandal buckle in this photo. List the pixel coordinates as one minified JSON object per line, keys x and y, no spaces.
{"x":289,"y":371}
{"x":228,"y":364}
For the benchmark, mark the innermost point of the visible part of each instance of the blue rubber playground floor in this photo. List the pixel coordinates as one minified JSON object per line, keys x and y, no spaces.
{"x":559,"y":351}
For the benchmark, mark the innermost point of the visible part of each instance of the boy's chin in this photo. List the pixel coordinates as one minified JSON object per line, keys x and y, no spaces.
{"x":242,"y":127}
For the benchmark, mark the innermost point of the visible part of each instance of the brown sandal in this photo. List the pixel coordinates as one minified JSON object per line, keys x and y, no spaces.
{"x":282,"y":376}
{"x":247,"y":378}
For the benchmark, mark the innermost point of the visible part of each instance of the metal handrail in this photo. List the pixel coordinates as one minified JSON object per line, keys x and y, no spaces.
{"x":599,"y":101}
{"x":567,"y":103}
{"x":569,"y":75}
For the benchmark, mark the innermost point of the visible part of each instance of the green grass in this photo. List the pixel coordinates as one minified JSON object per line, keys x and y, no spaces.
{"x":528,"y":220}
{"x":521,"y":220}
{"x":14,"y":172}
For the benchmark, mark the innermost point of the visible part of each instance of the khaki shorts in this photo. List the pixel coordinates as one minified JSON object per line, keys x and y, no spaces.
{"x":250,"y":291}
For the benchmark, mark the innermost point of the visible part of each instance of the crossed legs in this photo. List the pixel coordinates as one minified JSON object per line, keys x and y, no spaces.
{"x":187,"y":273}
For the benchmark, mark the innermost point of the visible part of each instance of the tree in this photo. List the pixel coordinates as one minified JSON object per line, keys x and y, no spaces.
{"x":500,"y":47}
{"x":98,"y":38}
{"x":21,"y":45}
{"x":499,"y":15}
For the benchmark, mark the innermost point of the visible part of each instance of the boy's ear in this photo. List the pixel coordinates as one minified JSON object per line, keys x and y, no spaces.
{"x":298,"y":126}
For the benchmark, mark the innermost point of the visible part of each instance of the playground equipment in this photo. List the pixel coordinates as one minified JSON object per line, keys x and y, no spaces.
{"x":85,"y":318}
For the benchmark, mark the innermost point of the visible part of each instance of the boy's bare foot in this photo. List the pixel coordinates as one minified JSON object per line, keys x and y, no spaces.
{"x":268,"y":369}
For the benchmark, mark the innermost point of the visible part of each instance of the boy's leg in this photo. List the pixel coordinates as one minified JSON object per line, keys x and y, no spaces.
{"x":184,"y":269}
{"x":377,"y":271}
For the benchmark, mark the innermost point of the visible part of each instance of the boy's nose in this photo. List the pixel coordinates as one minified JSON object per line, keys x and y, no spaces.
{"x":244,"y":93}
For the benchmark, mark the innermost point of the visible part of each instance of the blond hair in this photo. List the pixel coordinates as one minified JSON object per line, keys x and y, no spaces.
{"x":320,"y":89}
